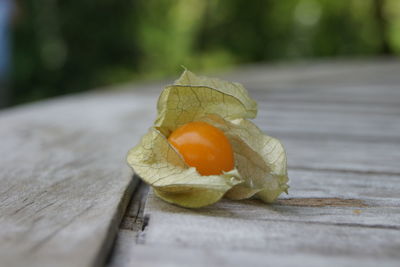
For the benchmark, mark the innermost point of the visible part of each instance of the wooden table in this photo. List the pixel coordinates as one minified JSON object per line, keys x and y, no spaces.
{"x":64,"y":184}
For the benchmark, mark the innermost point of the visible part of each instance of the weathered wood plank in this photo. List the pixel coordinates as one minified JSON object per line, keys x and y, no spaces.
{"x":362,"y":94}
{"x":64,"y":180}
{"x":321,"y":153}
{"x":229,"y":231}
{"x":316,"y":197}
{"x":143,"y":255}
{"x":364,"y":125}
{"x":341,"y":232}
{"x":62,"y":205}
{"x":339,"y":123}
{"x":327,"y":74}
{"x":181,"y":229}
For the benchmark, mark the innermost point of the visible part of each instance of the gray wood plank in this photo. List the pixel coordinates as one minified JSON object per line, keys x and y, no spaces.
{"x":324,"y":73}
{"x":361,"y":94}
{"x":229,"y":232}
{"x":339,"y":123}
{"x":142,"y":255}
{"x":317,"y":197}
{"x":194,"y":230}
{"x":328,"y":217}
{"x":362,"y":125}
{"x":330,"y":154}
{"x":64,"y":183}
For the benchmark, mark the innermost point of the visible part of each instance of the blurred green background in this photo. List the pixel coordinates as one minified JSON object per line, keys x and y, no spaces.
{"x":60,"y":47}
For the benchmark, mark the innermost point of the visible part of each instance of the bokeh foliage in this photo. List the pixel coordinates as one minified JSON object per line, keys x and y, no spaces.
{"x":69,"y":46}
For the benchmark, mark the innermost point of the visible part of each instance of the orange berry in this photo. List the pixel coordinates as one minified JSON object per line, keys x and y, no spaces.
{"x":204,"y":147}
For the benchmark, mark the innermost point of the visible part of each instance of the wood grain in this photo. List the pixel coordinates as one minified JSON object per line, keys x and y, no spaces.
{"x":64,"y":180}
{"x":64,"y":184}
{"x":143,"y":255}
{"x":340,"y":125}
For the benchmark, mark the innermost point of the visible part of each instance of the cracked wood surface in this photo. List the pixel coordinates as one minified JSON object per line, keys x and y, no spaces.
{"x":64,"y":183}
{"x":340,"y":125}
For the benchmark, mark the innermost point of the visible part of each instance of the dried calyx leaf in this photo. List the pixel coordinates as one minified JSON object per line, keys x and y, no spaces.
{"x":192,"y":98}
{"x":260,"y":160}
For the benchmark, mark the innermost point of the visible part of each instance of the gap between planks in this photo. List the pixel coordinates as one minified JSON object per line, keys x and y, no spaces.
{"x":134,"y":219}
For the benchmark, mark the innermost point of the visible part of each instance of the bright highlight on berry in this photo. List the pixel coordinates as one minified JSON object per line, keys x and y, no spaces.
{"x":204,"y":147}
